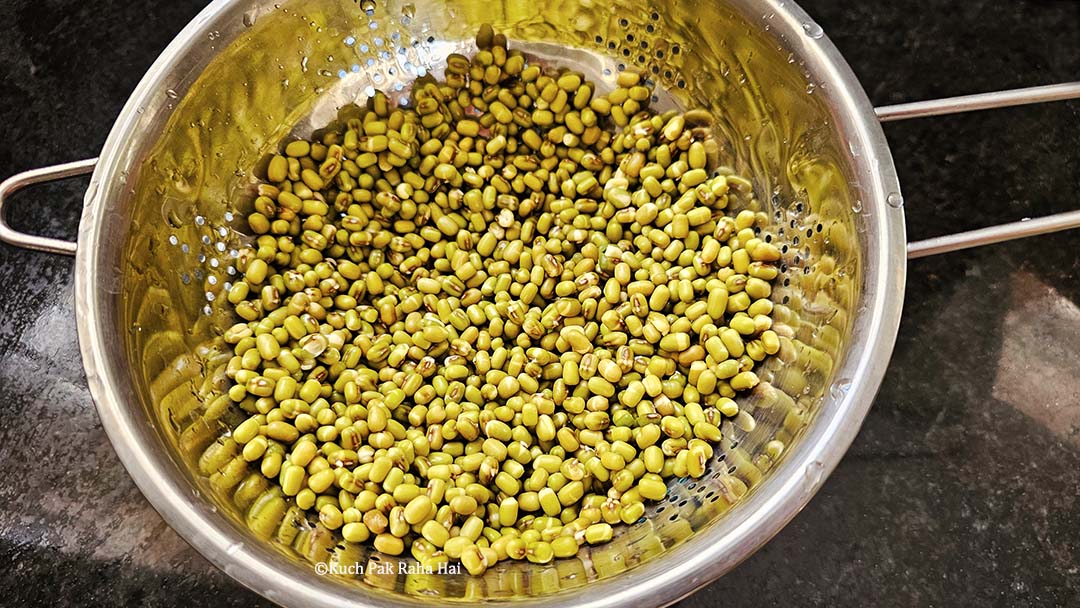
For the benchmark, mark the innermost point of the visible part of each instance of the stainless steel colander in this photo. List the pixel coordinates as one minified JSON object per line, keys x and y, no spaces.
{"x":162,"y":224}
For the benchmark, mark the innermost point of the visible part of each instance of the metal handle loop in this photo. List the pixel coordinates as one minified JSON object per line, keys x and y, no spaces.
{"x":36,"y":176}
{"x":920,"y":109}
{"x":985,"y":101}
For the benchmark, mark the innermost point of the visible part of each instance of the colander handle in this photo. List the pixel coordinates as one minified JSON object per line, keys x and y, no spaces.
{"x":36,"y":176}
{"x":916,"y":249}
{"x":984,"y":101}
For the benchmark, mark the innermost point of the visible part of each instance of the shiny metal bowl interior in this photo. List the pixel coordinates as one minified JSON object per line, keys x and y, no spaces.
{"x":163,"y":221}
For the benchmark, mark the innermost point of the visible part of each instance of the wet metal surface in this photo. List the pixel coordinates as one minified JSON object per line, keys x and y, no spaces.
{"x":960,"y":490}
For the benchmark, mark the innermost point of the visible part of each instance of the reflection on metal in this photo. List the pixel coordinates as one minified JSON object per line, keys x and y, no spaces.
{"x":176,"y":176}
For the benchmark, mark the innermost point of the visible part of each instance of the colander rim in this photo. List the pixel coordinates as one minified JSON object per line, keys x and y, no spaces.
{"x":683,"y":569}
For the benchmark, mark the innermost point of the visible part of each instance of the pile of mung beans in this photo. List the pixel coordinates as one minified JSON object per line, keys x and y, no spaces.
{"x":491,"y":324}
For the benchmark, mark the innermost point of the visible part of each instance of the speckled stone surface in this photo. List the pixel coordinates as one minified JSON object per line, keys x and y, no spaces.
{"x":962,"y":488}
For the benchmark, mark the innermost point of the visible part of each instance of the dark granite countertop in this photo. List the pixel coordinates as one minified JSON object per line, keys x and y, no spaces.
{"x":961,"y":489}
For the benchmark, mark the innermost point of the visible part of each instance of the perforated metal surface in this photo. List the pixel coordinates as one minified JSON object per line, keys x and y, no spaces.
{"x":291,"y":69}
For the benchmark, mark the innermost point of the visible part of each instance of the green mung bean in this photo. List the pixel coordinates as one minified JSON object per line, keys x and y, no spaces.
{"x":496,"y":318}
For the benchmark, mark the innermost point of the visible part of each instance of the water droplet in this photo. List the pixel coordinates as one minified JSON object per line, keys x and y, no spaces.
{"x":813,"y":30}
{"x":250,"y":17}
{"x":350,"y":40}
{"x":814,"y":473}
{"x":810,"y":88}
{"x":894,"y":200}
{"x":856,"y":207}
{"x":840,"y":388}
{"x":171,"y":94}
